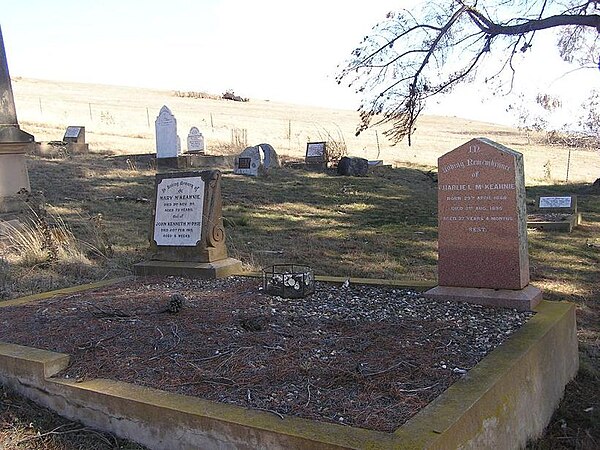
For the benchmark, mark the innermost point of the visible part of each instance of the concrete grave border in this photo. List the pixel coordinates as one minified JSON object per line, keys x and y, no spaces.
{"x":506,"y":399}
{"x":566,"y":226}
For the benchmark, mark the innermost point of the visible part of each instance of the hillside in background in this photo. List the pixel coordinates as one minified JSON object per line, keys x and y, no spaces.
{"x":120,"y":120}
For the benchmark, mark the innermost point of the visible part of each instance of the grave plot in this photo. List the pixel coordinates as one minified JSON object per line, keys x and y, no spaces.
{"x":555,"y":214}
{"x":345,"y":367}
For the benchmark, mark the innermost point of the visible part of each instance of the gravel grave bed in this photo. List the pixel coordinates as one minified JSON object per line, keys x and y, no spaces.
{"x":358,"y":355}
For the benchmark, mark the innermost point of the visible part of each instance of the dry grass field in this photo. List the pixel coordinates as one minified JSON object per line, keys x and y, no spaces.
{"x":121,"y":120}
{"x":380,"y":226}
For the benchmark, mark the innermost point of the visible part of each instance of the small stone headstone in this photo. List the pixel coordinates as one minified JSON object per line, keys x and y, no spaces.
{"x":167,"y":141}
{"x":248,"y":162}
{"x":188,"y":219}
{"x":353,"y":166}
{"x":75,"y":134}
{"x":482,"y":234}
{"x":195,"y":141}
{"x":316,"y":153}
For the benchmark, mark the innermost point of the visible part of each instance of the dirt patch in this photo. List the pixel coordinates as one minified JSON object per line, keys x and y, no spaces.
{"x":364,"y":356}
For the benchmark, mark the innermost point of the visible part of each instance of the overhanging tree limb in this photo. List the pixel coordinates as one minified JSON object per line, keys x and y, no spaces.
{"x":426,"y":54}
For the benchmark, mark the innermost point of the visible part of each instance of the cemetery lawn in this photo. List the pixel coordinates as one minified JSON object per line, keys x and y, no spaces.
{"x":381,"y":226}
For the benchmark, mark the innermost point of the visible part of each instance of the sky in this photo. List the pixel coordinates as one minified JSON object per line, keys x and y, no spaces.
{"x":262,"y":49}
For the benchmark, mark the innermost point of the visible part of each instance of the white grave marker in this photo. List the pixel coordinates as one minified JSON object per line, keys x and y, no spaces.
{"x":195,"y":141}
{"x":166,"y":134}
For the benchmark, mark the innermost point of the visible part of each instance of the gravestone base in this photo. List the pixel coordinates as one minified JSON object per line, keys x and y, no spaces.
{"x":58,"y":148}
{"x":216,"y":269}
{"x":12,"y":205}
{"x":520,"y":299}
{"x":315,"y":167}
{"x":566,"y":225}
{"x":190,"y":161}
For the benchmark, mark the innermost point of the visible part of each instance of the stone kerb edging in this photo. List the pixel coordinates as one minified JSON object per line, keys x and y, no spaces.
{"x":506,"y":399}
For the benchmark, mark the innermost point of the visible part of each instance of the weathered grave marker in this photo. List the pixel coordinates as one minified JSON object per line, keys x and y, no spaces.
{"x":195,"y":141}
{"x":555,"y":214}
{"x":75,"y":134}
{"x":248,"y":162}
{"x":353,"y":166}
{"x":251,"y":162}
{"x":316,"y":154}
{"x":482,"y":228}
{"x":270,"y":158}
{"x":188,"y":237}
{"x":167,"y":141}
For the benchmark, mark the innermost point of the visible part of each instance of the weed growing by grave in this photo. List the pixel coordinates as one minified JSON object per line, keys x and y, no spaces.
{"x":43,"y":240}
{"x":336,"y":144}
{"x":6,"y":280}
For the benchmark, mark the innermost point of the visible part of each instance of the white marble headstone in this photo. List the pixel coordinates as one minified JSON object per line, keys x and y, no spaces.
{"x":167,"y":145}
{"x":195,"y":141}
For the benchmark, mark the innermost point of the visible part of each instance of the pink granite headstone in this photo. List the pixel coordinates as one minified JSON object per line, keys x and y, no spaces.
{"x":482,"y":234}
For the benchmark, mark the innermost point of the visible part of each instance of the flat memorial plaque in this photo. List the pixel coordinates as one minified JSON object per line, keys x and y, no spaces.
{"x":72,"y":132}
{"x":244,"y":163}
{"x":555,"y":202}
{"x":315,"y":149}
{"x":178,"y":219}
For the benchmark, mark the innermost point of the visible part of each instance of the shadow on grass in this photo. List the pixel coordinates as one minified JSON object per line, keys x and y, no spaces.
{"x":375,"y":226}
{"x":567,"y":267}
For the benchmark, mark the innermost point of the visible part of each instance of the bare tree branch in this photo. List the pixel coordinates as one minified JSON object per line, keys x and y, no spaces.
{"x":412,"y":56}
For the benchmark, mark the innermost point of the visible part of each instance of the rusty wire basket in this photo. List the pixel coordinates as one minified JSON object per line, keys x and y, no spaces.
{"x":288,"y":280}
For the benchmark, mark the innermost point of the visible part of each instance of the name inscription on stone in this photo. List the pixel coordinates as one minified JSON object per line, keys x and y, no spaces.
{"x":178,"y":219}
{"x":555,"y":202}
{"x":315,"y":149}
{"x":482,"y":240}
{"x":483,"y":194}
